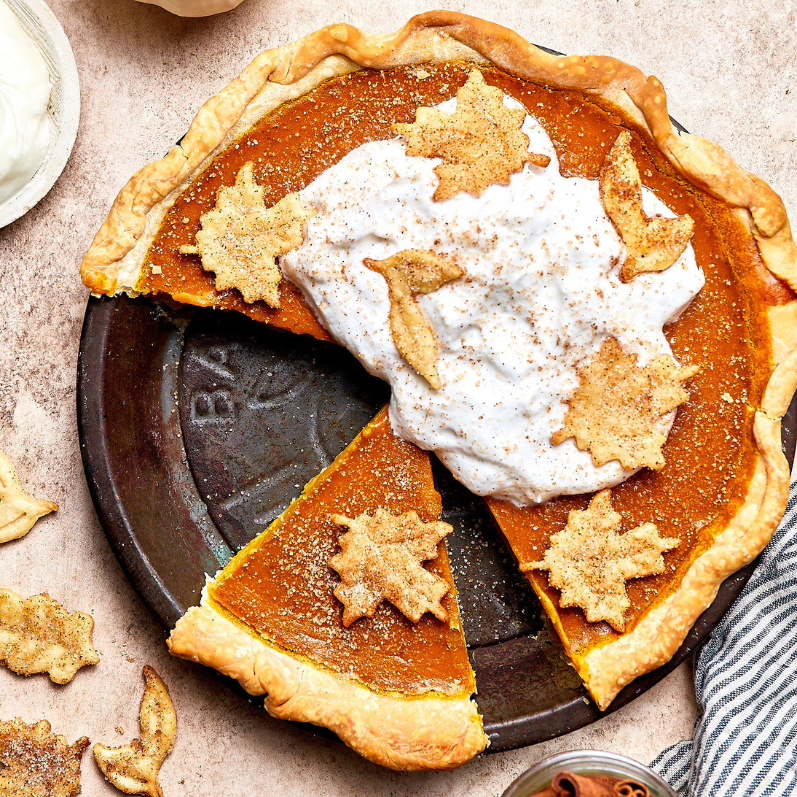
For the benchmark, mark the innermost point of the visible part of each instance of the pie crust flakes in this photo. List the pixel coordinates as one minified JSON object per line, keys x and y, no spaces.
{"x":617,"y":406}
{"x":134,"y":768}
{"x":241,"y":238}
{"x":18,"y":510}
{"x":381,"y":559}
{"x":589,"y":562}
{"x":651,"y":244}
{"x":37,"y":762}
{"x":481,"y":143}
{"x":38,"y":635}
{"x":408,"y":274}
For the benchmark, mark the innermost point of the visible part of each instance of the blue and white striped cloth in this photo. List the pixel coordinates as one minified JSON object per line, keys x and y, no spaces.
{"x":745,"y":741}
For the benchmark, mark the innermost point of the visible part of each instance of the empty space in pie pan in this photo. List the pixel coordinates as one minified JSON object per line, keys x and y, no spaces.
{"x":198,"y":427}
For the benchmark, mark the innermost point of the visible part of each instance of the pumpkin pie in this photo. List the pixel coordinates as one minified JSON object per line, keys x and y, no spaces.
{"x":695,"y":496}
{"x":397,"y":686}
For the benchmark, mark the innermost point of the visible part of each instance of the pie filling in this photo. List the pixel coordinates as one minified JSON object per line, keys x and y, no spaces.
{"x":371,"y":228}
{"x":282,"y":586}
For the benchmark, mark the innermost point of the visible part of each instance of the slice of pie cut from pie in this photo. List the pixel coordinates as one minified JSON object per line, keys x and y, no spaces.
{"x":396,"y":691}
{"x":719,"y":483}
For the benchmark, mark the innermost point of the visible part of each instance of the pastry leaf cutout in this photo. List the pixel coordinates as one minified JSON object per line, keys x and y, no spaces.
{"x":411,"y":273}
{"x":133,"y":768}
{"x":38,"y":635}
{"x":652,"y":244}
{"x":18,"y":510}
{"x":37,"y":762}
{"x":381,"y":559}
{"x":241,"y":238}
{"x":616,"y":409}
{"x":589,"y":562}
{"x":481,"y":143}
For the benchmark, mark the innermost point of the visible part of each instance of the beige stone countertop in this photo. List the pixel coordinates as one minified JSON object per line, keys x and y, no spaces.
{"x":730,"y":69}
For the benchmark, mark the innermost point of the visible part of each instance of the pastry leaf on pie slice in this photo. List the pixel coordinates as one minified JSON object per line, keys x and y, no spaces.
{"x":410,"y":273}
{"x":589,"y":561}
{"x":18,"y":510}
{"x":381,"y":559}
{"x":616,"y":408}
{"x":37,"y":762}
{"x":481,"y":143}
{"x":652,"y":244}
{"x":38,"y":635}
{"x":133,"y":768}
{"x":241,"y":238}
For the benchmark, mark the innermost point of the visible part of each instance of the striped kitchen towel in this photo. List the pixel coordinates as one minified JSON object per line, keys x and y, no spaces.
{"x":745,"y":741}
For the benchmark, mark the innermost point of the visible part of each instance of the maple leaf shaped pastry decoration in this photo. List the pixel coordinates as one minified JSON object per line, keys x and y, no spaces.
{"x":589,"y":562}
{"x":616,"y":409}
{"x":411,"y":273}
{"x":18,"y":511}
{"x":380,"y":559}
{"x":38,"y":635}
{"x":481,"y":143}
{"x":241,"y":238}
{"x":37,"y":762}
{"x":652,"y":244}
{"x":134,"y":768}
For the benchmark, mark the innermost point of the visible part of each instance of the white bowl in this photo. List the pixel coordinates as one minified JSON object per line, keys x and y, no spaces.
{"x":47,"y":34}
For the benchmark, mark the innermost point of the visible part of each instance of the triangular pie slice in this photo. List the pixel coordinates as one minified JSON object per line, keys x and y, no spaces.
{"x":397,"y":692}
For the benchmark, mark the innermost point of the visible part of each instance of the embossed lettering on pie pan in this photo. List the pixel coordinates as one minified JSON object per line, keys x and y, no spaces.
{"x":198,"y":427}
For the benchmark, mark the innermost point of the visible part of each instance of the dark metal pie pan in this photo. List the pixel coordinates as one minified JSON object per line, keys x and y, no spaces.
{"x":198,"y":427}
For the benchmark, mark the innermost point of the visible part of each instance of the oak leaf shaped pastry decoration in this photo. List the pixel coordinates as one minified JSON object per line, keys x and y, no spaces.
{"x":381,"y":559}
{"x":133,"y":768}
{"x":589,"y":561}
{"x":481,"y":143}
{"x":241,"y":238}
{"x":18,"y":511}
{"x":652,"y":244}
{"x":616,"y":410}
{"x":411,"y":273}
{"x":37,"y":762}
{"x":38,"y":635}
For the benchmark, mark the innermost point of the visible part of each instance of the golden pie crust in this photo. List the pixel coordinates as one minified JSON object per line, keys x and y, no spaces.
{"x":116,"y":260}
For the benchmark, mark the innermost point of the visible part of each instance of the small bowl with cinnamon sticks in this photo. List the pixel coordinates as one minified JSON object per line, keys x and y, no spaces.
{"x":589,"y":773}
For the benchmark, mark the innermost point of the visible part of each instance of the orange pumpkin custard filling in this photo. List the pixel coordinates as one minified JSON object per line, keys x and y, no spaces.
{"x":273,"y":618}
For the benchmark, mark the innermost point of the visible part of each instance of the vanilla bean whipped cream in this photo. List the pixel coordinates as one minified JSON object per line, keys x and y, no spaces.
{"x":541,"y":292}
{"x":24,"y":97}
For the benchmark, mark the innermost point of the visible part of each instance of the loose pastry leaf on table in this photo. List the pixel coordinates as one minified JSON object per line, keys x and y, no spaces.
{"x":18,"y":510}
{"x":652,"y":244}
{"x":381,"y":558}
{"x":38,"y":763}
{"x":133,"y":768}
{"x":615,"y":410}
{"x":589,"y":561}
{"x":241,"y":238}
{"x":481,"y":143}
{"x":411,"y":273}
{"x":38,"y":635}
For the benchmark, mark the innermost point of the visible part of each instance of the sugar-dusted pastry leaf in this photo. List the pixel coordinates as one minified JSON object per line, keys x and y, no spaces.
{"x":241,"y":238}
{"x":410,"y":273}
{"x":381,"y":559}
{"x":38,"y":763}
{"x":481,"y":143}
{"x":616,"y":408}
{"x":589,"y":562}
{"x":133,"y":768}
{"x":38,"y":635}
{"x":18,"y":511}
{"x":652,"y":244}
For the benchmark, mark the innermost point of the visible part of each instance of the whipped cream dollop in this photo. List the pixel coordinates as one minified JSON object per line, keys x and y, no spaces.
{"x":24,"y":97}
{"x":541,"y":292}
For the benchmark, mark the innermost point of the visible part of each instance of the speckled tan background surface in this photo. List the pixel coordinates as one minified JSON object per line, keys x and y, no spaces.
{"x":731,"y":72}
